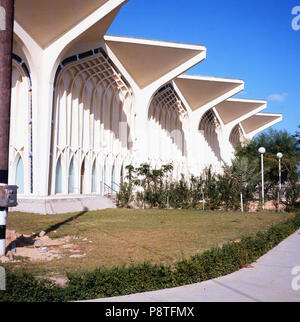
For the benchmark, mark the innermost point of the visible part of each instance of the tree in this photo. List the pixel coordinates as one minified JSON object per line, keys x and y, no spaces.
{"x":151,"y":186}
{"x":297,"y":135}
{"x":126,"y":196}
{"x":242,"y":180}
{"x":212,"y":191}
{"x":274,"y":141}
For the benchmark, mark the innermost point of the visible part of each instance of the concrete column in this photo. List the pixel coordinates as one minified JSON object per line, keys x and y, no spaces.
{"x":42,"y":130}
{"x":141,"y":143}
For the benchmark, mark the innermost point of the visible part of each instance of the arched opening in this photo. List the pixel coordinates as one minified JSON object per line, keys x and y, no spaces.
{"x":20,"y":176}
{"x":104,"y":178}
{"x":167,"y":139}
{"x":103,"y":174}
{"x":113,"y":179}
{"x":236,"y":136}
{"x":208,"y":126}
{"x":94,"y":178}
{"x":90,"y":100}
{"x":71,"y":185}
{"x":83,"y":174}
{"x":58,"y":177}
{"x":21,"y":127}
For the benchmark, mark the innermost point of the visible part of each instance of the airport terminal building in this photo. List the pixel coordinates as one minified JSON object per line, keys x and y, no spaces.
{"x":85,"y":105}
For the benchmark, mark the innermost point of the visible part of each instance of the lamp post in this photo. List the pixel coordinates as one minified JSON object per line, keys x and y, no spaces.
{"x":262,"y":151}
{"x":279,"y":156}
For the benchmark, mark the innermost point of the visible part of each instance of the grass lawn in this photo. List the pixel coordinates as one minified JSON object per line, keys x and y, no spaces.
{"x":121,"y":236}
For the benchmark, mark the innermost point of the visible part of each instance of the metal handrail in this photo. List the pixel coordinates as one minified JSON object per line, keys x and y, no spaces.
{"x":110,"y":187}
{"x":116,"y":184}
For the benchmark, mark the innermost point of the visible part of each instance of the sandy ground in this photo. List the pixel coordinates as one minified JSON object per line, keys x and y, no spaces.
{"x":38,"y":247}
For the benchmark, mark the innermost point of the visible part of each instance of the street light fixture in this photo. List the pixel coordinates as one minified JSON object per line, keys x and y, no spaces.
{"x":279,"y":156}
{"x":262,"y":151}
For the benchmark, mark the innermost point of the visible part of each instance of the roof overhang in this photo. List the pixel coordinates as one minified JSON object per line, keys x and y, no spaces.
{"x":235,"y":110}
{"x":149,"y":60}
{"x":259,"y":122}
{"x":202,"y":92}
{"x":46,"y":21}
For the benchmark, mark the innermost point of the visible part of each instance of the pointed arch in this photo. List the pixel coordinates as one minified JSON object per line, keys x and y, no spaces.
{"x":94,"y":180}
{"x":236,"y":136}
{"x":19,"y":175}
{"x":167,"y":138}
{"x":58,"y":176}
{"x":90,"y":99}
{"x":209,"y":125}
{"x":71,"y":177}
{"x":21,"y":139}
{"x":84,"y":179}
{"x":122,"y":173}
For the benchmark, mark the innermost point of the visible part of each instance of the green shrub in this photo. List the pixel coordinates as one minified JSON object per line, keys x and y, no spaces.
{"x":292,"y":194}
{"x":125,"y":195}
{"x":23,"y":287}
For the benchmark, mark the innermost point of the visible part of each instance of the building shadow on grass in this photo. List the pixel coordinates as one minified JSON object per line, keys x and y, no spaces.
{"x":23,"y":241}
{"x":71,"y":219}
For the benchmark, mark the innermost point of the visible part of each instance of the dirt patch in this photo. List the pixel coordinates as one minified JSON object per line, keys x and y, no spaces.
{"x":269,"y":206}
{"x":39,"y":247}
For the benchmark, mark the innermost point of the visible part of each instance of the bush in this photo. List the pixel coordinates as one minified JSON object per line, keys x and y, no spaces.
{"x":23,"y":287}
{"x":292,"y":195}
{"x":125,"y":195}
{"x":152,"y":188}
{"x":106,"y":282}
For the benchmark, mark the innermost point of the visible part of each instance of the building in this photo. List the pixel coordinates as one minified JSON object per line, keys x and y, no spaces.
{"x":85,"y":105}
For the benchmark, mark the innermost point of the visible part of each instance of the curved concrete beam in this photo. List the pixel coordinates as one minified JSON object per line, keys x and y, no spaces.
{"x":37,"y":17}
{"x":235,"y":110}
{"x":259,"y":122}
{"x":203,"y":93}
{"x":150,"y":64}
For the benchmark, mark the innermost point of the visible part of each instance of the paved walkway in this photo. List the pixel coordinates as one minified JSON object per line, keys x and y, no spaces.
{"x":270,"y":280}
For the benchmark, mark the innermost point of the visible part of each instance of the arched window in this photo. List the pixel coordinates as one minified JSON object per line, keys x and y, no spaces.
{"x":104,"y":178}
{"x":113,"y":179}
{"x":83,"y":177}
{"x":71,"y":187}
{"x":20,"y":176}
{"x":94,"y":178}
{"x":166,"y":107}
{"x":89,"y":94}
{"x":208,"y":126}
{"x":58,"y":177}
{"x":21,"y":125}
{"x":236,"y":136}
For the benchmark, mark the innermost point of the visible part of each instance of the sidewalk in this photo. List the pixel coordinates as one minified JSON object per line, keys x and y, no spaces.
{"x":270,"y":280}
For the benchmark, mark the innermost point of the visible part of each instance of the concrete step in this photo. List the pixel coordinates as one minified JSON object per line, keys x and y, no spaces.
{"x":62,"y":204}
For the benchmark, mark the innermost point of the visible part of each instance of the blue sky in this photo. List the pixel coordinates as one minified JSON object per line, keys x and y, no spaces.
{"x":250,"y":40}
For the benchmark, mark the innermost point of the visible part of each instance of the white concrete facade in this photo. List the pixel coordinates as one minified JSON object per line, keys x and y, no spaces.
{"x":85,"y":105}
